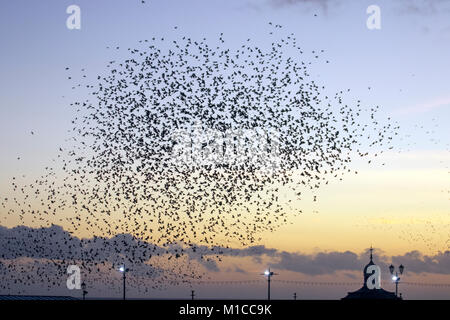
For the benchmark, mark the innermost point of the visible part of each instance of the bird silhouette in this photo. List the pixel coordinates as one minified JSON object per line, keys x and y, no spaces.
{"x":184,"y":148}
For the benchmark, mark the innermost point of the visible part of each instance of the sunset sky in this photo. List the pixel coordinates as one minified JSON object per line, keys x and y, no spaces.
{"x":399,"y":203}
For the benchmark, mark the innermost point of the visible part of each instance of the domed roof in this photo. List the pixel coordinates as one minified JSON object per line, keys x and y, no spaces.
{"x":365,"y":292}
{"x":365,"y":273}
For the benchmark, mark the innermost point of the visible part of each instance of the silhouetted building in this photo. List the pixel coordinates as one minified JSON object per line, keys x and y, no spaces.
{"x":371,"y":288}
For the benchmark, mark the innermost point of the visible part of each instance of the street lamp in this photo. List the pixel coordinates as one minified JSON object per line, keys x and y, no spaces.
{"x":391,"y":269}
{"x":395,"y":276}
{"x":269,"y":274}
{"x":83,"y":287}
{"x":124,"y":270}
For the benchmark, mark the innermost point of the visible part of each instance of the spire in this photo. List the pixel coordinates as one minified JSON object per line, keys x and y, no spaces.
{"x":371,"y":263}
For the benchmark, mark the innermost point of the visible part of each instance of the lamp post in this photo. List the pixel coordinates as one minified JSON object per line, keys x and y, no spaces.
{"x":124,"y":271}
{"x":83,"y":287}
{"x":395,"y":277}
{"x":269,"y":274}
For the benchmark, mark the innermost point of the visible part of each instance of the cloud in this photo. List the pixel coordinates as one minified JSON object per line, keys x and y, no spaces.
{"x":54,"y":243}
{"x":324,"y":263}
{"x":351,"y":275}
{"x":422,"y":7}
{"x":321,"y":4}
{"x":424,"y":107}
{"x":404,"y":7}
{"x":321,"y":263}
{"x":237,"y":269}
{"x":418,"y":263}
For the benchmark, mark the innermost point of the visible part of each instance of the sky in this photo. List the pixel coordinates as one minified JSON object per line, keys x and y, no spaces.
{"x":399,"y":204}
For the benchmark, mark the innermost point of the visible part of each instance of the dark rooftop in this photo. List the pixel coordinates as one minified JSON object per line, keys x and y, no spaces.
{"x":20,"y":297}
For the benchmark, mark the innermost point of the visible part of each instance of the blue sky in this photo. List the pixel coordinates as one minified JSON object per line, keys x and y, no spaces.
{"x":405,"y":63}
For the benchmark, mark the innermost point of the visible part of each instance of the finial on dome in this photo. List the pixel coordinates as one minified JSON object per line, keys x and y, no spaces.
{"x":371,"y":250}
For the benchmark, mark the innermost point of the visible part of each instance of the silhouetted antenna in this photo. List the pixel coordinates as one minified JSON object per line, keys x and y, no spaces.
{"x":192,"y":294}
{"x":124,"y":270}
{"x":269,"y":274}
{"x":295,"y":295}
{"x":83,"y":287}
